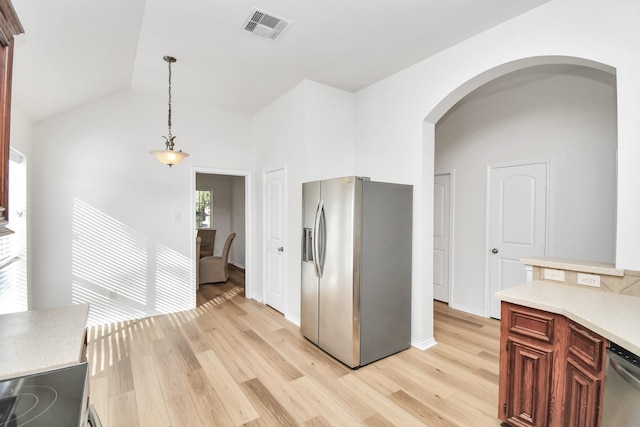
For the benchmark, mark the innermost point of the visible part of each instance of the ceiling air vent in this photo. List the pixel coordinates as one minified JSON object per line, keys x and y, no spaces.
{"x":265,"y":25}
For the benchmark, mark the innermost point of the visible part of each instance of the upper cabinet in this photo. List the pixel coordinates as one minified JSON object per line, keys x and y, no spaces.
{"x":9,"y":27}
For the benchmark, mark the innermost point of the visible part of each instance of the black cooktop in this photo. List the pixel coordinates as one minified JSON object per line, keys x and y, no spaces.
{"x":52,"y":398}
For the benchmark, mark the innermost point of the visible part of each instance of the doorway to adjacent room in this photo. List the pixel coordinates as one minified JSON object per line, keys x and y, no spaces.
{"x":224,"y":210}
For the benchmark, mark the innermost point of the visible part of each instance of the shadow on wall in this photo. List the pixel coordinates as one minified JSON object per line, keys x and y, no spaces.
{"x":112,"y":269}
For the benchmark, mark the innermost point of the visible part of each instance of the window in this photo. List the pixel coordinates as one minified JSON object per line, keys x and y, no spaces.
{"x":204,"y":209}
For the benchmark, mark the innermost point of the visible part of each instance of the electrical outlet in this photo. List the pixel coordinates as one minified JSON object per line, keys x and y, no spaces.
{"x":589,"y":279}
{"x":551,"y":274}
{"x":112,"y":294}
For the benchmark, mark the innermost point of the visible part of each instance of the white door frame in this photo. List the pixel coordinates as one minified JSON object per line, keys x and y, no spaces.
{"x":487,"y":227}
{"x":285,"y":233}
{"x":452,"y":199}
{"x":248,"y":198}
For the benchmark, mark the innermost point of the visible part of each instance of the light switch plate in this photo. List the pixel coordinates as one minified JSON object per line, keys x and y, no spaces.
{"x":551,"y":274}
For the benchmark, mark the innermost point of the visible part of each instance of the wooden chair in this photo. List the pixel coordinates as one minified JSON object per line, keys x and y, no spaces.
{"x":215,"y":269}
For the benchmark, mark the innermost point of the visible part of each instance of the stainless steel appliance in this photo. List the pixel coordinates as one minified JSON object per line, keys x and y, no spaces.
{"x":621,"y":401}
{"x":58,"y":397}
{"x":356,"y":268}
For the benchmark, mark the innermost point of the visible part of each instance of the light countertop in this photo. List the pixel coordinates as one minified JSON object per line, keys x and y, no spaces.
{"x":613,"y":316}
{"x":39,"y":340}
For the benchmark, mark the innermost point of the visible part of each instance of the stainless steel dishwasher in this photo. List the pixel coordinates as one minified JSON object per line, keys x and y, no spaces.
{"x":621,"y":402}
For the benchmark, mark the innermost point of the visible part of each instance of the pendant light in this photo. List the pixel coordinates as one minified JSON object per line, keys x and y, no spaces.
{"x":169,"y":156}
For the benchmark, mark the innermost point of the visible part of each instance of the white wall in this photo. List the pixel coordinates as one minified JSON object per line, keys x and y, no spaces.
{"x":401,"y":111}
{"x":21,"y":129}
{"x":238,"y":219}
{"x":310,"y":131}
{"x":228,"y":212}
{"x":108,"y":217}
{"x":565,"y":116}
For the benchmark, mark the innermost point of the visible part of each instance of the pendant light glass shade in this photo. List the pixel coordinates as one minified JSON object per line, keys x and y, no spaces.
{"x":169,"y":156}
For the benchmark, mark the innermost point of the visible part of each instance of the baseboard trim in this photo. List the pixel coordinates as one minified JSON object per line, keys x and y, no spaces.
{"x":423,"y":345}
{"x":293,"y":319}
{"x":467,"y":310}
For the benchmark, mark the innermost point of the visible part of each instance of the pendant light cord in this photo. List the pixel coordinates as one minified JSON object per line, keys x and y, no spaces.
{"x":169,"y":156}
{"x":169,"y":117}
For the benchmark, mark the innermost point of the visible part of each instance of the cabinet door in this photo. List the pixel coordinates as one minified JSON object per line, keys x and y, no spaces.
{"x":582,"y":396}
{"x":584,"y":376}
{"x":529,"y":379}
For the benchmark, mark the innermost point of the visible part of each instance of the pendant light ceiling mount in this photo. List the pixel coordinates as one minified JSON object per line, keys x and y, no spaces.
{"x":169,"y":156}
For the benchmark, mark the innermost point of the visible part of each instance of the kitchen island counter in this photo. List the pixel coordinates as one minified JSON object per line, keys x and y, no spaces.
{"x":614,"y":316}
{"x":38,"y":340}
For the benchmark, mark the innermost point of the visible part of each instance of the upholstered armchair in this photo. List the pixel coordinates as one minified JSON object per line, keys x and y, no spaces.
{"x":214,"y":269}
{"x":207,"y":241}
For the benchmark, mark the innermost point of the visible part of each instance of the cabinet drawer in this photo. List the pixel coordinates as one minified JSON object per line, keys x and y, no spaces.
{"x":586,"y":346}
{"x":530,"y":322}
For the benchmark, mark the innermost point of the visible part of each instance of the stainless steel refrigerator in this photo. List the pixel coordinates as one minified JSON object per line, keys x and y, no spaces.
{"x":356,"y":268}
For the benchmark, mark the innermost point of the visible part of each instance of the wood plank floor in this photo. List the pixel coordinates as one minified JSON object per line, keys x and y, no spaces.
{"x":233,"y":361}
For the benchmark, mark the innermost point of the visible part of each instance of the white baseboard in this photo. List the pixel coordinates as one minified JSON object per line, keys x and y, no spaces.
{"x":423,"y":345}
{"x":293,"y":319}
{"x":467,"y":310}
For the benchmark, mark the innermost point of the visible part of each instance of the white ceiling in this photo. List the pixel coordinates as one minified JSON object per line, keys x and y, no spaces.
{"x":75,"y":52}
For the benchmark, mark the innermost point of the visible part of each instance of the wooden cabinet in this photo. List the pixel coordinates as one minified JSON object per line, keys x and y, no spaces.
{"x":9,"y":27}
{"x":586,"y":356}
{"x":531,"y":365}
{"x":526,"y":365}
{"x":551,"y":370}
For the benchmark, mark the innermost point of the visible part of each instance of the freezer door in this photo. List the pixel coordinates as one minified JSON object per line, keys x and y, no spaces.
{"x":309,"y":279}
{"x":338,"y":314}
{"x":385,"y":279}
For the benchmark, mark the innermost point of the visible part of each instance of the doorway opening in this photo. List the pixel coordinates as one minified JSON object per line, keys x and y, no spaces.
{"x":225,"y":210}
{"x":562,"y":113}
{"x":442,"y":231}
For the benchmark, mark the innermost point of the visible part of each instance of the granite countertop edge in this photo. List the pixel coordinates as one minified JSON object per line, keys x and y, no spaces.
{"x":613,"y":316}
{"x":39,"y":340}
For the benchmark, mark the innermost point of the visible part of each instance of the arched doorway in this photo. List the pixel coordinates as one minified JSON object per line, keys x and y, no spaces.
{"x":495,"y":83}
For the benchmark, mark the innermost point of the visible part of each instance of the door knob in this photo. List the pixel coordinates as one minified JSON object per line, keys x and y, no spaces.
{"x":494,"y":250}
{"x":280,"y":249}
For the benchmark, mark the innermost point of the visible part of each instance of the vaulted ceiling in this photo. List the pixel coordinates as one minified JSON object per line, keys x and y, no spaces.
{"x":75,"y":52}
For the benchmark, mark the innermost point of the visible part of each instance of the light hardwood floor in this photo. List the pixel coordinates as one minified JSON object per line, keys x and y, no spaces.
{"x":232,"y":361}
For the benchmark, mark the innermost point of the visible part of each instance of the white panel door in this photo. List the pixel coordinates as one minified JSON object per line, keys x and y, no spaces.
{"x":441,"y":236}
{"x":275,"y":197}
{"x":518,"y":224}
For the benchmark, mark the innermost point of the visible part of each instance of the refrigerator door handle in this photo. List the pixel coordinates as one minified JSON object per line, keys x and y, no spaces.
{"x":322,"y":241}
{"x":316,"y":238}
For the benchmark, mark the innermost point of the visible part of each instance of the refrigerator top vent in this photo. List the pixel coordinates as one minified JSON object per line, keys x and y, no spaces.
{"x":265,"y":25}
